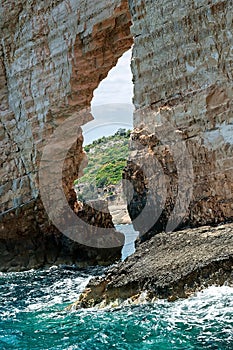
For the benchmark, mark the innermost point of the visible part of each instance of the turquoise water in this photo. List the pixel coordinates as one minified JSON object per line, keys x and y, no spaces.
{"x":32,"y":316}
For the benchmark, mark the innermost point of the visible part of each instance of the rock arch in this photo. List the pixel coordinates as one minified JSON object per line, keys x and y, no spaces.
{"x":182,"y":68}
{"x":53,"y":56}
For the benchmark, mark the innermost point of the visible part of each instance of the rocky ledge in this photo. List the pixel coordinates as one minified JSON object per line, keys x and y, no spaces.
{"x":169,"y":265}
{"x":46,"y":246}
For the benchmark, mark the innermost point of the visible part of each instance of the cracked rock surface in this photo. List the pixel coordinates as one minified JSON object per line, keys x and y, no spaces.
{"x":169,"y":265}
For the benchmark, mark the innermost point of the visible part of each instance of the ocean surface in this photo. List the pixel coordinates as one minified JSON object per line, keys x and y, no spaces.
{"x":130,"y":237}
{"x":33,"y":316}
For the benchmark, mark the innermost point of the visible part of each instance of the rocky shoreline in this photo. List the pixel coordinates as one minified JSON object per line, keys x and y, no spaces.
{"x":169,"y":265}
{"x":53,"y":56}
{"x":46,"y":246}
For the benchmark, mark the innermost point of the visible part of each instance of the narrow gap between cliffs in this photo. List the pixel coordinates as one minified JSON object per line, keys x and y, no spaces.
{"x":106,"y":143}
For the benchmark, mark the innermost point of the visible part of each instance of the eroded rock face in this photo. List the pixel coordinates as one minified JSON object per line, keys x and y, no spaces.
{"x":183,"y":138}
{"x":52,"y":56}
{"x":33,"y":246}
{"x":169,"y":265}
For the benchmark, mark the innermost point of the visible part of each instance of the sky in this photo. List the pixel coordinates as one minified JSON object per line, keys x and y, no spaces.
{"x":118,"y":86}
{"x":112,"y":106}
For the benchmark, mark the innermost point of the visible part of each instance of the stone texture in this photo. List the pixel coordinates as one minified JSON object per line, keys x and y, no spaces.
{"x":35,"y":243}
{"x":169,"y":265}
{"x":182,"y":66}
{"x":52,"y":57}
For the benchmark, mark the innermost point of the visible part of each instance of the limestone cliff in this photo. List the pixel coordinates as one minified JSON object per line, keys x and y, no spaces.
{"x":182,"y":159}
{"x":53,"y":55}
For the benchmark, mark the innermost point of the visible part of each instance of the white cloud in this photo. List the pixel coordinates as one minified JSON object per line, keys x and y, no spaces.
{"x":118,"y":86}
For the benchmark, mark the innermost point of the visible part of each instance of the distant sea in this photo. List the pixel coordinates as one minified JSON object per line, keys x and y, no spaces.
{"x":33,"y":316}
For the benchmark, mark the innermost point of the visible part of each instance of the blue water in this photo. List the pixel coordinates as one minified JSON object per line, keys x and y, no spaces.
{"x":32,"y":316}
{"x":130,"y":237}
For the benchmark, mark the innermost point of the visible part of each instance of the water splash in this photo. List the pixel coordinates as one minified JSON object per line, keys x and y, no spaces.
{"x":33,"y":316}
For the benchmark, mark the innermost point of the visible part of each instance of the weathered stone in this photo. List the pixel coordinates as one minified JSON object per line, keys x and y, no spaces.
{"x":182,"y":67}
{"x":21,"y":251}
{"x":170,"y":265}
{"x":52,"y":57}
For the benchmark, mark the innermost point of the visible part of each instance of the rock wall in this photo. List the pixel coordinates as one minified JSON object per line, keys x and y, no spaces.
{"x":30,"y":246}
{"x":182,"y":159}
{"x":53,"y":55}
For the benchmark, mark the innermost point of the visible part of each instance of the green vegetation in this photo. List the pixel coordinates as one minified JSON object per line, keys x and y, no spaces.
{"x":110,"y":173}
{"x":106,"y":160}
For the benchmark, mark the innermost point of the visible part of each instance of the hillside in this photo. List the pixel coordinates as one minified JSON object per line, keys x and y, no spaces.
{"x":106,"y":160}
